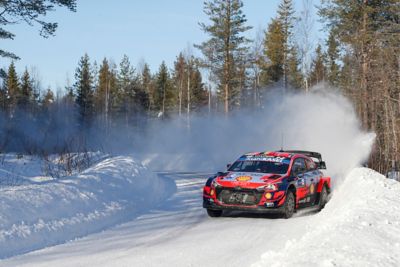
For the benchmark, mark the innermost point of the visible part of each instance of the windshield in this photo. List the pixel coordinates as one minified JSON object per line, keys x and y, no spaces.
{"x":259,"y":166}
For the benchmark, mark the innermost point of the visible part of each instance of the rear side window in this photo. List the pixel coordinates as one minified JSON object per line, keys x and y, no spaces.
{"x":299,"y":166}
{"x":311,"y":165}
{"x":300,"y":163}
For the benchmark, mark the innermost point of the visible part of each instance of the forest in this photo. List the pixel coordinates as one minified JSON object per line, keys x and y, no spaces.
{"x":360,"y":58}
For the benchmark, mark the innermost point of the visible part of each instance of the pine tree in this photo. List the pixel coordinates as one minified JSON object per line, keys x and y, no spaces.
{"x":295,"y":78}
{"x":318,"y":68}
{"x":3,"y":98}
{"x":180,"y":80}
{"x":26,"y":98}
{"x":225,"y":46}
{"x":127,"y":83}
{"x":163,"y":97}
{"x":333,"y":57}
{"x":48,"y":99}
{"x":274,"y":52}
{"x":286,"y":19}
{"x":84,"y":89}
{"x":148,"y":87}
{"x":103,"y":91}
{"x":199,"y":93}
{"x":126,"y":76}
{"x":12,"y":88}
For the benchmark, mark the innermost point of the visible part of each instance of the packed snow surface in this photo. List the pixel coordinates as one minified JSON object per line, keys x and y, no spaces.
{"x":38,"y":211}
{"x":360,"y":226}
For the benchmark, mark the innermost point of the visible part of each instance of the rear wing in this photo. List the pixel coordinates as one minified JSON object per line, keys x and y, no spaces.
{"x":315,"y":155}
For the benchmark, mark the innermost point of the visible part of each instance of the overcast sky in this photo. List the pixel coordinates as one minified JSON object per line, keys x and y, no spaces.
{"x":151,"y":30}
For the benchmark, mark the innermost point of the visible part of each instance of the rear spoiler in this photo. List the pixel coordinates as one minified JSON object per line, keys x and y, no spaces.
{"x":321,"y":164}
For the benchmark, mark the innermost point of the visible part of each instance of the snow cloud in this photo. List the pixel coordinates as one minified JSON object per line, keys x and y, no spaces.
{"x":322,"y":120}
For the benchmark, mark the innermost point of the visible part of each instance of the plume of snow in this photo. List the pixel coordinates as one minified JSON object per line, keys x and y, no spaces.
{"x":322,"y":120}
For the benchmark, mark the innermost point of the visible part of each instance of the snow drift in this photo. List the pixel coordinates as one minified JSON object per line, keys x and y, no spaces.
{"x":360,"y":226}
{"x":40,"y":211}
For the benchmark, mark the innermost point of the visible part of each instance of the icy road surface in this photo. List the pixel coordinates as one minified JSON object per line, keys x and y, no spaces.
{"x":177,"y":233}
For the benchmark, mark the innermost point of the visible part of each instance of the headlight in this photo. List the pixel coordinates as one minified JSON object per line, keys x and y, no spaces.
{"x":215,"y":184}
{"x":268,"y":187}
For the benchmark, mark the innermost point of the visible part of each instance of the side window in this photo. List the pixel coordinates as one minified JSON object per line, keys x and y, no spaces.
{"x":311,"y":165}
{"x":299,"y":166}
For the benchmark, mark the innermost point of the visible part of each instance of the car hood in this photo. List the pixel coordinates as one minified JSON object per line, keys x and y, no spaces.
{"x":246,"y":179}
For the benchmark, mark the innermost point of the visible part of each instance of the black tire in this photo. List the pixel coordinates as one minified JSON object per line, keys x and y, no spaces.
{"x":214,"y":213}
{"x":289,"y":206}
{"x":323,"y":198}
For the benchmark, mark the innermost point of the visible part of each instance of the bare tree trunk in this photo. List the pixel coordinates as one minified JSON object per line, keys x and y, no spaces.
{"x":364,"y":67}
{"x":163,"y":103}
{"x":209,"y":100}
{"x":180,"y":96}
{"x":188,"y":96}
{"x":107,"y":97}
{"x":227,"y":64}
{"x":306,"y":28}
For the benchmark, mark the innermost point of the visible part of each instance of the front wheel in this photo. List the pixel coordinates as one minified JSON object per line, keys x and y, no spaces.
{"x":289,"y":205}
{"x":214,"y":213}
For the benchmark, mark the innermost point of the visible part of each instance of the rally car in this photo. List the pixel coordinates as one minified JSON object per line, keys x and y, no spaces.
{"x":271,"y":182}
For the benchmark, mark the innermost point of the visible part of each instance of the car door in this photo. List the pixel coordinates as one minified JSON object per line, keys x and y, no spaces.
{"x":312,"y":177}
{"x":298,"y":171}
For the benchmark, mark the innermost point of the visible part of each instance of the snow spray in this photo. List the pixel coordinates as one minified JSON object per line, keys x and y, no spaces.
{"x":322,"y":120}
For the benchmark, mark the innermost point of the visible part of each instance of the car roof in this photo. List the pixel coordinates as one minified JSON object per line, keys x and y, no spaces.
{"x":287,"y":154}
{"x":270,"y":154}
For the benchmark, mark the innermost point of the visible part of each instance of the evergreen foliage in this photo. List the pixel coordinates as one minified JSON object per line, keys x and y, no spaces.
{"x":12,"y":88}
{"x":30,"y":12}
{"x":318,"y":68}
{"x":226,"y":46}
{"x":362,"y":59}
{"x":84,"y":89}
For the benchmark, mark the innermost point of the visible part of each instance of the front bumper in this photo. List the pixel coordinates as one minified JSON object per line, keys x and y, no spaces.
{"x":208,"y":203}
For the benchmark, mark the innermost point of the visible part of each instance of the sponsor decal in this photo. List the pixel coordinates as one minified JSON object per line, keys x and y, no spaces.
{"x":243,"y":178}
{"x":265,"y":158}
{"x":312,"y":188}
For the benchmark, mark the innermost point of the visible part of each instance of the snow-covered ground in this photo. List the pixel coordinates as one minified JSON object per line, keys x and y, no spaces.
{"x":37,"y":211}
{"x":360,"y":226}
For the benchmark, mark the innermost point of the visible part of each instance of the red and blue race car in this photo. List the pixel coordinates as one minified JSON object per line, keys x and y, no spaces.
{"x":271,"y":182}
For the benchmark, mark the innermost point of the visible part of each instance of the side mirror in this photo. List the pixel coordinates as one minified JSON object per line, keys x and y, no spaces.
{"x":322,"y":165}
{"x":228,"y":165}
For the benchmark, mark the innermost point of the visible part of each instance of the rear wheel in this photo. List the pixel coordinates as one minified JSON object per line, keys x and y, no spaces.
{"x":323,"y":198}
{"x":214,"y":213}
{"x":289,"y":205}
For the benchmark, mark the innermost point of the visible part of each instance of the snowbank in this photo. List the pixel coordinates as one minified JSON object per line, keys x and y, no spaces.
{"x":360,"y":226}
{"x":36,"y":212}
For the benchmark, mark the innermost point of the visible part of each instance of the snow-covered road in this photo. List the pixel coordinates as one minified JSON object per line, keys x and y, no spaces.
{"x":360,"y":226}
{"x":177,"y":233}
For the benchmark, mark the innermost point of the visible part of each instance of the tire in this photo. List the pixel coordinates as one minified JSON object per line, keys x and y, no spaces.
{"x":214,"y":213}
{"x":323,"y":197}
{"x":289,"y":206}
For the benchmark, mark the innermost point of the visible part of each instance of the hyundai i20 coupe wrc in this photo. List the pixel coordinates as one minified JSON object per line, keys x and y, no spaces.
{"x":269,"y":182}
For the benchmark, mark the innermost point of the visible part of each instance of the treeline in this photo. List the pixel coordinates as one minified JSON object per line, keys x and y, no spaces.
{"x":360,"y":56}
{"x":102,"y":98}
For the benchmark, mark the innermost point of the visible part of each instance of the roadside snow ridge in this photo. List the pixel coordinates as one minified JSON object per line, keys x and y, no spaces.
{"x":360,"y":226}
{"x":35,"y":215}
